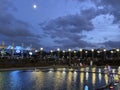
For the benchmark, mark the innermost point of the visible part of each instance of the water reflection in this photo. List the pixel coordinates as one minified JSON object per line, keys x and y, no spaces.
{"x":52,"y":79}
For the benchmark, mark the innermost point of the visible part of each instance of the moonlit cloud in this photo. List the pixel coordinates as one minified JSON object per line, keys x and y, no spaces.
{"x":64,"y":23}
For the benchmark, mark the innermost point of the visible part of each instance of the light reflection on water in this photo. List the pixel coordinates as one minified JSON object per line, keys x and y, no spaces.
{"x":51,"y":79}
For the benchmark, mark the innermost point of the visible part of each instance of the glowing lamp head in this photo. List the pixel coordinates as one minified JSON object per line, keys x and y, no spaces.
{"x":30,"y":53}
{"x":92,"y":50}
{"x":80,"y":50}
{"x":69,"y":49}
{"x":117,"y":50}
{"x":58,"y":49}
{"x":111,"y":51}
{"x":41,"y":49}
{"x":51,"y":51}
{"x":104,"y":50}
{"x":63,"y":51}
{"x":75,"y":51}
{"x":36,"y":51}
{"x":98,"y":52}
{"x":86,"y":52}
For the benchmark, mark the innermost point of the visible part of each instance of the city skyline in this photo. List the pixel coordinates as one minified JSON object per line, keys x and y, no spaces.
{"x":61,"y":24}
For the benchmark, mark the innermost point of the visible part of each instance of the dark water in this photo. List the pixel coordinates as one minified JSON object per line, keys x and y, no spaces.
{"x":52,"y":79}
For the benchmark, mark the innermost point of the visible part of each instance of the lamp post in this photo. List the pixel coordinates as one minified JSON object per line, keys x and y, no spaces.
{"x":111,"y":54}
{"x":118,"y":52}
{"x":51,"y":53}
{"x":80,"y":53}
{"x":41,"y":52}
{"x":63,"y":52}
{"x":98,"y":52}
{"x":104,"y":53}
{"x":86,"y":52}
{"x":75,"y":53}
{"x":69,"y":50}
{"x":58,"y":51}
{"x":92,"y":53}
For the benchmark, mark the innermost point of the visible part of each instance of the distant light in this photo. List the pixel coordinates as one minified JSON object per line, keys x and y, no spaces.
{"x":34,"y":6}
{"x":92,"y":50}
{"x":51,"y":51}
{"x":58,"y":49}
{"x":63,"y":51}
{"x":30,"y":53}
{"x":104,"y":50}
{"x":17,"y":51}
{"x":117,"y":50}
{"x":80,"y":50}
{"x":69,"y":49}
{"x":36,"y":51}
{"x":41,"y":49}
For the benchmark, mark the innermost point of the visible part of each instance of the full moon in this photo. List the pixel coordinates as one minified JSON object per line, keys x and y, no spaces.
{"x":34,"y":6}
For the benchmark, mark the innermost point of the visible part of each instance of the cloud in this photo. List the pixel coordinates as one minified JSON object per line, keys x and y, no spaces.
{"x":61,"y":26}
{"x":15,"y":30}
{"x":66,"y":31}
{"x":112,"y":44}
{"x":110,"y":6}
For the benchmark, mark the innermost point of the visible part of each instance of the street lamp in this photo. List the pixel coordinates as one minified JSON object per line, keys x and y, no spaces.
{"x":104,"y":53}
{"x":75,"y":53}
{"x":92,"y":53}
{"x":86,"y":52}
{"x":41,"y":52}
{"x":118,"y":52}
{"x":111,"y":53}
{"x":51,"y":51}
{"x":80,"y":53}
{"x":58,"y":50}
{"x":30,"y":53}
{"x":69,"y":53}
{"x":63,"y":54}
{"x":36,"y":51}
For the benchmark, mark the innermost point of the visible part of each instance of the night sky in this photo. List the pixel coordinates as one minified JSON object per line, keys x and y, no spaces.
{"x":61,"y":24}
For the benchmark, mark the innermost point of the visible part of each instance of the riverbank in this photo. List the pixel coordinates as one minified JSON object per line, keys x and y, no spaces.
{"x":48,"y":66}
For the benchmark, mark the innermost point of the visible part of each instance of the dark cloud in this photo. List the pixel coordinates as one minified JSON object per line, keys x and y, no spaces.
{"x":67,"y":43}
{"x":112,"y":44}
{"x":14,"y":30}
{"x":63,"y":26}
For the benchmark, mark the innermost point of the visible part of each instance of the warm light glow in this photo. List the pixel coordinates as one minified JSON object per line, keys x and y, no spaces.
{"x":80,"y":50}
{"x":104,"y":50}
{"x":41,"y":49}
{"x":106,"y":78}
{"x":51,"y":51}
{"x":111,"y":51}
{"x":69,"y":49}
{"x":63,"y":51}
{"x":98,"y":52}
{"x":36,"y":50}
{"x":75,"y":51}
{"x":58,"y":49}
{"x":86,"y":51}
{"x":117,"y":50}
{"x":92,"y":50}
{"x":87,"y":75}
{"x":30,"y":53}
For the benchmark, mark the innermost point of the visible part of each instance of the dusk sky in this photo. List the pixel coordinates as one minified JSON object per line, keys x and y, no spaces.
{"x":61,"y":24}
